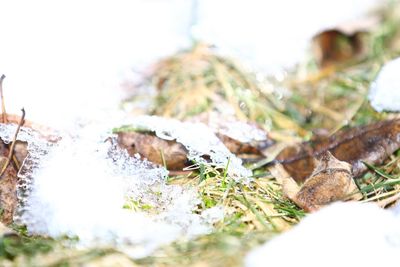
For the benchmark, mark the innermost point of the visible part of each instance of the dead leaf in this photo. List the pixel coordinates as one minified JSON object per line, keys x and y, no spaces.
{"x":154,"y":149}
{"x":224,"y":125}
{"x":8,"y":193}
{"x":372,"y":143}
{"x":8,"y":182}
{"x":244,"y":150}
{"x":343,"y":42}
{"x":330,"y":181}
{"x":333,"y":47}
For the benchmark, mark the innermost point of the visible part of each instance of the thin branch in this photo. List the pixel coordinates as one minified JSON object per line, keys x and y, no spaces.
{"x":11,"y":152}
{"x":3,"y":106}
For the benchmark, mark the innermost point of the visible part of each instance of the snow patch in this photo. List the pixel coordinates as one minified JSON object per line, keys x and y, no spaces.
{"x":385,"y":91}
{"x":83,"y":184}
{"x":341,"y":234}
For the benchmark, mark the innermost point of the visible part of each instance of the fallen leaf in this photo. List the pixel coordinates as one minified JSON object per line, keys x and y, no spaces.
{"x":242,"y":138}
{"x":332,"y":47}
{"x":330,"y":181}
{"x":8,"y":193}
{"x":372,"y":144}
{"x":242,"y":149}
{"x":343,"y":42}
{"x":154,"y":149}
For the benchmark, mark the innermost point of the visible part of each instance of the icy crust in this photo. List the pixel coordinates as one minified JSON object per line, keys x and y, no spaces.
{"x":37,"y":147}
{"x":199,"y":140}
{"x":385,"y":91}
{"x":82,"y":184}
{"x":338,"y":235}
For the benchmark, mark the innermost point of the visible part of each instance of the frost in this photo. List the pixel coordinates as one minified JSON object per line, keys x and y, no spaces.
{"x":199,"y":141}
{"x":37,"y":147}
{"x":385,"y":91}
{"x":338,"y":235}
{"x":83,"y":183}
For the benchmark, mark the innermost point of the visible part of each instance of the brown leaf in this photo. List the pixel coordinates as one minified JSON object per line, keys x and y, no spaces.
{"x":330,"y":181}
{"x":244,"y":149}
{"x":371,"y":143}
{"x":8,"y":193}
{"x":332,"y":47}
{"x":154,"y":149}
{"x":221,"y":125}
{"x":8,"y":182}
{"x":343,"y":42}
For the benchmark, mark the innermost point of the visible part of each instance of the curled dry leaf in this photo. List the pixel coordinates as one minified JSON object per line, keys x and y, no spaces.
{"x":372,"y":143}
{"x":330,"y":181}
{"x":155,"y":149}
{"x":344,"y":42}
{"x":332,"y":47}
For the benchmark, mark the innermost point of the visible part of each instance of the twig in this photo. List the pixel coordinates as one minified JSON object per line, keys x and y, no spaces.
{"x":11,"y":152}
{"x":3,"y":106}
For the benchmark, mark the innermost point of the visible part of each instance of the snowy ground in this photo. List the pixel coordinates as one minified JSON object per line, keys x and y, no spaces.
{"x":385,"y":93}
{"x":343,"y":234}
{"x":64,"y":63}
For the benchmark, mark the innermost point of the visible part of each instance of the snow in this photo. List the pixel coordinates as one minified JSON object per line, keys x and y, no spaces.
{"x":80,"y":186}
{"x":72,"y":55}
{"x":385,"y":91}
{"x":342,"y":234}
{"x":199,"y":140}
